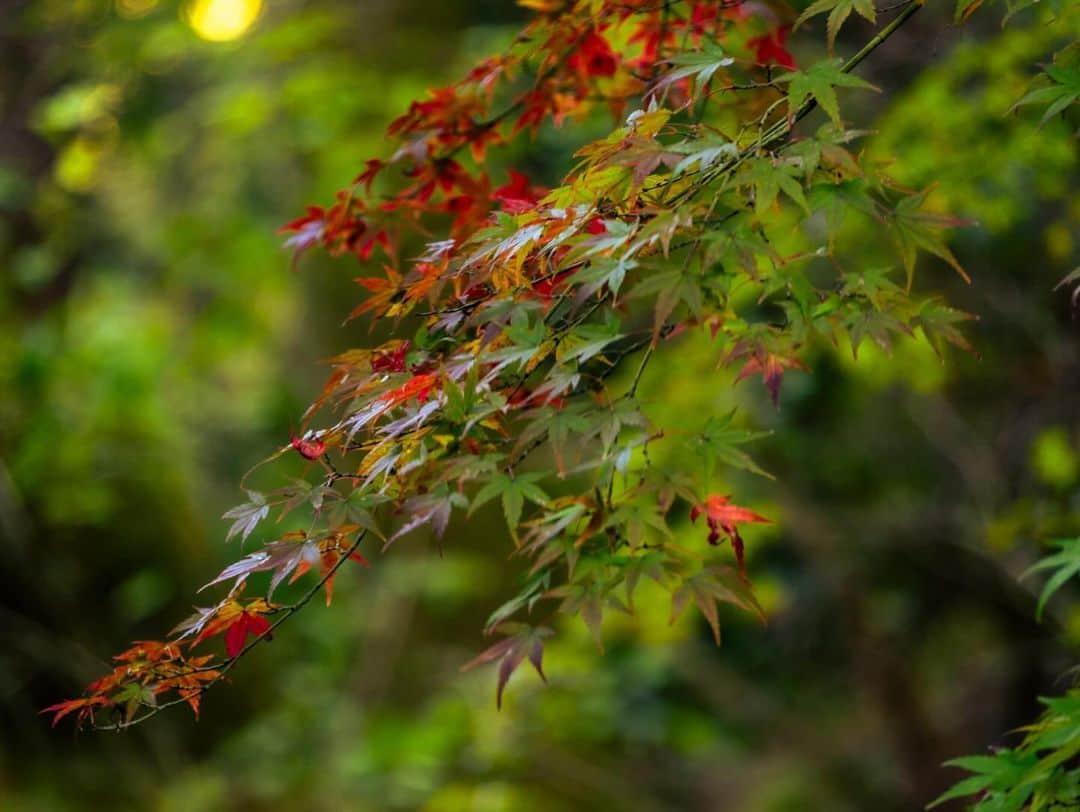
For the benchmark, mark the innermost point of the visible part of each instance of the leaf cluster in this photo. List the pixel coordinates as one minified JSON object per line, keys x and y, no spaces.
{"x":527,"y":328}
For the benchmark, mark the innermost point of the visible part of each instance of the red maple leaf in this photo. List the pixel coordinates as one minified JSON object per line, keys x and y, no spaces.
{"x":84,"y":705}
{"x":308,"y":449}
{"x":769,"y":48}
{"x":722,"y":516}
{"x":363,"y":241}
{"x":307,"y":231}
{"x":703,"y":15}
{"x":548,"y":287}
{"x":418,"y":386}
{"x":518,"y":195}
{"x":315,"y":215}
{"x":596,"y":226}
{"x":237,"y":633}
{"x":480,"y":138}
{"x":546,"y":98}
{"x":390,"y":360}
{"x":593,"y":56}
{"x":236,"y":621}
{"x":771,"y":367}
{"x":372,"y":168}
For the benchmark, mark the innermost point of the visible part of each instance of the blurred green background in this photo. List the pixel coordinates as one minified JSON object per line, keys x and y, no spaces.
{"x":154,"y":345}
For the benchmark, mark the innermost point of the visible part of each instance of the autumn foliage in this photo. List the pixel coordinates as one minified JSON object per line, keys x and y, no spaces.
{"x":522,"y":328}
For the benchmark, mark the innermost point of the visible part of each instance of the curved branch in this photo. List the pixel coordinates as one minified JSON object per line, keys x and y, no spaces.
{"x":286,"y":612}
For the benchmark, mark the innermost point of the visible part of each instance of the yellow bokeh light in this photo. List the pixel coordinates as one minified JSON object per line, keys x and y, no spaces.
{"x":222,"y":20}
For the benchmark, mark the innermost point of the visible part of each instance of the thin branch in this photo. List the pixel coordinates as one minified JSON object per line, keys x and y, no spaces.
{"x":286,"y":612}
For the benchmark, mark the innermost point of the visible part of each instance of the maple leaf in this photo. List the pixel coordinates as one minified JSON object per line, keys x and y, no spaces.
{"x":514,"y":492}
{"x":722,"y":516}
{"x":914,"y":228}
{"x":719,"y":441}
{"x":189,"y":681}
{"x":1067,"y":564}
{"x":247,"y":516}
{"x":149,"y":651}
{"x":329,"y":556}
{"x":1062,"y":92}
{"x":593,"y":56}
{"x":431,"y":508}
{"x":281,"y":556}
{"x":535,"y":106}
{"x":770,"y":366}
{"x":371,"y":169}
{"x":820,"y":81}
{"x":309,"y":449}
{"x":523,"y":642}
{"x":596,"y":226}
{"x":697,"y":65}
{"x":84,"y":706}
{"x":714,"y":585}
{"x":236,"y":634}
{"x":839,"y":11}
{"x":518,"y":195}
{"x":386,"y":293}
{"x":549,"y":287}
{"x":653,"y":34}
{"x":306,"y":231}
{"x":293,"y":554}
{"x":232,"y":618}
{"x":769,"y":49}
{"x":419,"y":387}
{"x":390,"y":360}
{"x":719,"y":510}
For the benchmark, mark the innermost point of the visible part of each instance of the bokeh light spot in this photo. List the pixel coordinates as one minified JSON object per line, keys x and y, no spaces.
{"x":222,"y":20}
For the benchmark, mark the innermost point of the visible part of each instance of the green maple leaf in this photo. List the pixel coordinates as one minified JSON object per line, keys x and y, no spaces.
{"x":839,"y":11}
{"x":1067,"y":564}
{"x":1061,"y":94}
{"x":819,"y":82}
{"x":701,"y":65}
{"x":914,"y":229}
{"x":513,"y":492}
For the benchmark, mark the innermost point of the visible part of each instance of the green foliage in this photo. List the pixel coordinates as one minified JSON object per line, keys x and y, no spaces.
{"x":1036,"y":775}
{"x":1041,"y":772}
{"x":531,"y":304}
{"x":1067,"y":564}
{"x":839,"y":11}
{"x":1062,"y":85}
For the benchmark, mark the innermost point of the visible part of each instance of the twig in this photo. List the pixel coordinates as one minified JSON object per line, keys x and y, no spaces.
{"x":286,"y":613}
